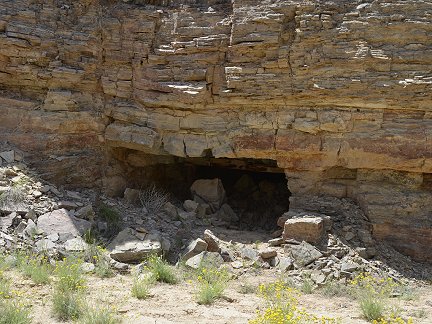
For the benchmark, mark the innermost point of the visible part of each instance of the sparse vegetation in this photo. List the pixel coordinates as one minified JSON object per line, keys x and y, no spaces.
{"x":153,"y":198}
{"x":37,"y":269}
{"x":98,"y":315}
{"x":211,"y":284}
{"x":372,"y":308}
{"x":70,"y":277}
{"x":5,"y":291}
{"x":373,"y":295}
{"x":13,"y":313}
{"x":307,"y":286}
{"x":111,"y":217}
{"x":96,"y":254}
{"x":67,"y":305}
{"x":141,"y":287}
{"x":334,"y":288}
{"x":281,"y":307}
{"x":161,"y":270}
{"x":247,"y":288}
{"x":103,"y":269}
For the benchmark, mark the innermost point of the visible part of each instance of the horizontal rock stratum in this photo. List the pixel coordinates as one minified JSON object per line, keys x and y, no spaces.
{"x":339,"y":93}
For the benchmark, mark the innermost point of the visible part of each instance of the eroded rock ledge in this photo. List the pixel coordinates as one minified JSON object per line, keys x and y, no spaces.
{"x":338,"y":93}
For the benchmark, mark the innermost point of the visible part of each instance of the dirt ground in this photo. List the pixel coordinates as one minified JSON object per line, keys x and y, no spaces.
{"x":177,"y":304}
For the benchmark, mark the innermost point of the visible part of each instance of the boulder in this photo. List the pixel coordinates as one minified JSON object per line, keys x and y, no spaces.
{"x":249,"y":254}
{"x":126,"y":247}
{"x":87,"y":267}
{"x":303,"y":253}
{"x":171,"y":210}
{"x":44,"y":245}
{"x":8,"y":156}
{"x":349,"y":266}
{"x":213,"y":259}
{"x":190,"y":206}
{"x":86,"y":212}
{"x":76,"y":244}
{"x":6,"y":221}
{"x":309,"y":229}
{"x":276,"y":242}
{"x":226,"y":213}
{"x":212,"y":241}
{"x":268,"y":253}
{"x":194,"y":248}
{"x":67,"y":204}
{"x":60,"y":222}
{"x":210,"y":191}
{"x":131,"y":196}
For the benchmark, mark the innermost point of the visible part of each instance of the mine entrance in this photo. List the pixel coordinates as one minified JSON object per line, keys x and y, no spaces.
{"x":256,"y":189}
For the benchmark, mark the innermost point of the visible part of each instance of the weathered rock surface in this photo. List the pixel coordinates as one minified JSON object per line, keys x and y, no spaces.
{"x":205,"y":258}
{"x":127,"y":247}
{"x":209,"y":191}
{"x":338,"y":93}
{"x":309,"y":229}
{"x":61,"y":223}
{"x":194,"y":248}
{"x":304,"y":253}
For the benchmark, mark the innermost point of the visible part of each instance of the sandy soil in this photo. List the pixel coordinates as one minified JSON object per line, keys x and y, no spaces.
{"x":176,"y":303}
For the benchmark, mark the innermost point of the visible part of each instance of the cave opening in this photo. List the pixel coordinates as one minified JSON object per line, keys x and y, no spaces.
{"x":255,"y":189}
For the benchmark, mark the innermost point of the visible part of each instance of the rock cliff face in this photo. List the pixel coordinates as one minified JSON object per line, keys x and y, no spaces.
{"x":339,"y":93}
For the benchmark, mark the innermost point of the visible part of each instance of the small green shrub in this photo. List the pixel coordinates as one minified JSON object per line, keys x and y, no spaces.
{"x":372,"y":308}
{"x":12,"y":313}
{"x":5,"y":291}
{"x":247,"y":288}
{"x":111,"y":217}
{"x":211,"y":284}
{"x":99,"y":316}
{"x":67,"y":305}
{"x":209,"y":292}
{"x":407,"y":293}
{"x":70,"y":277}
{"x":419,"y":313}
{"x":307,"y":286}
{"x":334,"y":289}
{"x":38,"y":270}
{"x":141,"y":288}
{"x":108,"y":214}
{"x":103,"y":269}
{"x":89,"y":237}
{"x":161,"y":270}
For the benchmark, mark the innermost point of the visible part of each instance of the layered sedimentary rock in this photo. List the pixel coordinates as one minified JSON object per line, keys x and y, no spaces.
{"x":337,"y":92}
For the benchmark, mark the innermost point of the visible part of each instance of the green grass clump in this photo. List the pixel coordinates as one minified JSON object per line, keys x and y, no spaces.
{"x":70,"y":276}
{"x":334,"y":288}
{"x":307,"y":286}
{"x":161,"y":270}
{"x":5,"y":292}
{"x":247,"y":288}
{"x":211,"y":284}
{"x":38,"y":270}
{"x":67,"y":305}
{"x":99,"y":316}
{"x":111,"y":217}
{"x":13,"y":313}
{"x":103,"y":269}
{"x":372,"y":308}
{"x":141,"y":287}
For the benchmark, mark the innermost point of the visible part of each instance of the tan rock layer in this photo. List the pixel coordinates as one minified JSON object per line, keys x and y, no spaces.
{"x":318,"y":87}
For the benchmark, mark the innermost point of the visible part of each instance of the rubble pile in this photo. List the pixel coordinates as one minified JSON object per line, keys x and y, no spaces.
{"x":50,"y":219}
